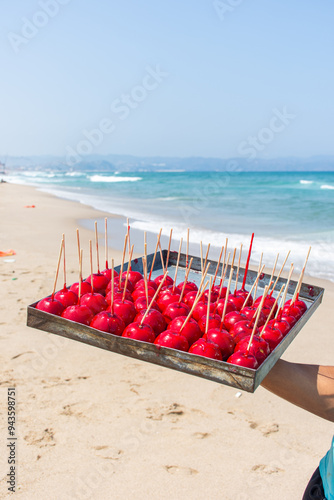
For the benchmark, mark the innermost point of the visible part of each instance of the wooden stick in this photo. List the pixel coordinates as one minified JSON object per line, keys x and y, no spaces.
{"x":129,"y":244}
{"x":255,"y":283}
{"x":78,"y":243}
{"x":258,"y":272}
{"x":202,"y":280}
{"x":222,"y":279}
{"x":273,"y":307}
{"x":106,"y":242}
{"x":177,"y":264}
{"x":80,"y":275}
{"x":97,"y":249}
{"x":257,"y":318}
{"x":187,"y":254}
{"x":168,"y":251}
{"x":64,"y":261}
{"x":206,"y":256}
{"x":233,"y":257}
{"x":123,"y":257}
{"x":208,"y":308}
{"x":286,"y":289}
{"x":273,"y":271}
{"x":155,"y":253}
{"x":154,"y":297}
{"x":185,"y":280}
{"x":57,"y":270}
{"x":300,"y":281}
{"x":201,"y":251}
{"x":247,"y":263}
{"x":112,"y":287}
{"x":237,"y":276}
{"x":127,"y":273}
{"x":226,"y":299}
{"x":161,"y":258}
{"x":197,"y":299}
{"x":280,"y":272}
{"x":144,"y":260}
{"x":91,"y":265}
{"x":217,"y":267}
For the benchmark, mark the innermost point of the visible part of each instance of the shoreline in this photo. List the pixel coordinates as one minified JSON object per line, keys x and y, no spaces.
{"x":85,"y":415}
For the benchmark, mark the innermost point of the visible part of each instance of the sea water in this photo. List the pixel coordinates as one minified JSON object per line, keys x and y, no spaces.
{"x":285,"y":210}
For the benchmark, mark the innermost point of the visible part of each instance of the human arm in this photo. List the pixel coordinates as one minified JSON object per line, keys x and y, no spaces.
{"x":309,"y":386}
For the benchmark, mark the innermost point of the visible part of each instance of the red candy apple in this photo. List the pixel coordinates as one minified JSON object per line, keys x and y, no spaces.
{"x":153,"y":318}
{"x":107,"y":322}
{"x":95,"y":301}
{"x":223,"y":340}
{"x":78,"y":313}
{"x":207,"y":349}
{"x":243,"y":359}
{"x":139,"y":332}
{"x":173,"y":340}
{"x":51,"y":306}
{"x":66,"y":297}
{"x":190,"y":330}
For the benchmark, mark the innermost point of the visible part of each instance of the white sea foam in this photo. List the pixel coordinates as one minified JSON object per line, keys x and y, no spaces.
{"x":326,"y":186}
{"x":102,"y":178}
{"x":302,"y":181}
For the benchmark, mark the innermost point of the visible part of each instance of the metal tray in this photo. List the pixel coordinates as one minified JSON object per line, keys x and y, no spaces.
{"x":219,"y":371}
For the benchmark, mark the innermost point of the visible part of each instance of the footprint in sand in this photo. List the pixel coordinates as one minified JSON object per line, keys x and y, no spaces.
{"x":201,"y":435}
{"x":180,"y":471}
{"x":266,"y":469}
{"x":47,"y":438}
{"x":70,"y":412}
{"x":111,"y":454}
{"x":174,"y":411}
{"x":269,"y":429}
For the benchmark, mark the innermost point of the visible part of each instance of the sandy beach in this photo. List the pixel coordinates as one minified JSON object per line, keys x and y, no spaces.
{"x":92,"y":424}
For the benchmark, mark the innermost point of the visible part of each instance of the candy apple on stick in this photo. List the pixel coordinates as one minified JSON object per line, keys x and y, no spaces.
{"x":83,"y":285}
{"x":78,"y":313}
{"x":269,"y":333}
{"x":225,"y":303}
{"x":151,"y":316}
{"x":65,"y":296}
{"x":187,"y":325}
{"x":254,"y":285}
{"x":209,"y":320}
{"x":245,"y":358}
{"x":100,"y":281}
{"x":50,"y":304}
{"x":94,"y":300}
{"x":107,"y":321}
{"x":185,"y":281}
{"x":123,"y":307}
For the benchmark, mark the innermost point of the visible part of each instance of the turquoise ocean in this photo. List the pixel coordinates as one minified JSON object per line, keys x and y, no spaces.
{"x":285,"y":210}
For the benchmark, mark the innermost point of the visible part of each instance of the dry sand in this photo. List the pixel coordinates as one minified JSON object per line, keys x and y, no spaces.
{"x":96,"y":425}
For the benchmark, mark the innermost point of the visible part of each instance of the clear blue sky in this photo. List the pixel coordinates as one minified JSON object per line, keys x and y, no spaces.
{"x":229,"y":63}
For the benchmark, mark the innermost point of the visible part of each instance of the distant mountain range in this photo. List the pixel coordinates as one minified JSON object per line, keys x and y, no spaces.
{"x":127,"y":163}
